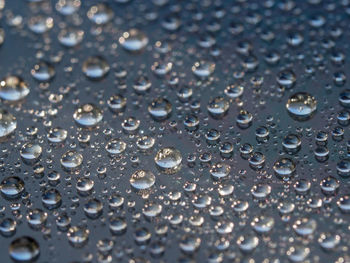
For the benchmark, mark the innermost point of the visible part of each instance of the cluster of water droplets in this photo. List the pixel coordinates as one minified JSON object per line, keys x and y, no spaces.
{"x":174,"y":131}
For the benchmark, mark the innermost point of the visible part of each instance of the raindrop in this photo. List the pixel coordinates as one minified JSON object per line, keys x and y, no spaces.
{"x":43,"y":71}
{"x":8,"y":227}
{"x":284,"y":167}
{"x":13,"y":88}
{"x":115,"y":146}
{"x":78,"y":235}
{"x":301,"y":106}
{"x":218,"y":107}
{"x":24,"y":249}
{"x":100,"y":14}
{"x":88,"y":115}
{"x":286,"y":79}
{"x":133,"y":40}
{"x":71,"y":160}
{"x":160,"y":109}
{"x":220,"y":170}
{"x":70,"y":37}
{"x":116,"y":103}
{"x":52,"y":198}
{"x":95,"y":67}
{"x":30,"y":151}
{"x":203,"y":69}
{"x":142,"y":179}
{"x":40,"y":24}
{"x":343,"y":167}
{"x":12,"y":187}
{"x":8,"y":123}
{"x":168,"y":160}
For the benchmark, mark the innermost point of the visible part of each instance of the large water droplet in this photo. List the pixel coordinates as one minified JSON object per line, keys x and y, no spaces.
{"x":95,"y":67}
{"x":12,"y":187}
{"x":133,"y":40}
{"x":88,"y":115}
{"x":301,"y":106}
{"x":142,"y":179}
{"x":24,"y":249}
{"x":71,"y":160}
{"x":13,"y":88}
{"x":168,"y":160}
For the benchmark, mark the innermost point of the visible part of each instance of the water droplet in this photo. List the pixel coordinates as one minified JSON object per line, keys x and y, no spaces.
{"x":343,"y":167}
{"x":142,"y":179}
{"x":95,"y":67}
{"x":57,"y":135}
{"x":130,"y":125}
{"x":189,"y":243}
{"x":247,"y":243}
{"x":145,"y":143}
{"x":52,"y":198}
{"x":305,"y":226}
{"x":298,"y":253}
{"x":88,"y":115}
{"x":70,"y":37}
{"x":8,"y":227}
{"x":13,"y":88}
{"x":8,"y":123}
{"x":284,"y":168}
{"x":160,"y":109}
{"x":203,"y":69}
{"x":36,"y":218}
{"x":244,"y":119}
{"x":93,"y":208}
{"x":301,"y":106}
{"x":115,"y":146}
{"x":286,"y":79}
{"x":234,"y":91}
{"x":116,"y":103}
{"x":12,"y":187}
{"x":78,"y":235}
{"x":24,"y":249}
{"x":40,"y":24}
{"x":220,"y":170}
{"x":218,"y":107}
{"x":30,"y":151}
{"x":43,"y":71}
{"x":100,"y":14}
{"x":168,"y":160}
{"x":68,"y":7}
{"x":291,"y":143}
{"x":142,"y":84}
{"x":133,"y":40}
{"x":71,"y":160}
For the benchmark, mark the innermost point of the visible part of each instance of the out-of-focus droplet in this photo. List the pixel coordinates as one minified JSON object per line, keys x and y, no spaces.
{"x":24,"y":249}
{"x":160,"y":109}
{"x":70,"y":37}
{"x":100,"y":14}
{"x":13,"y":88}
{"x":133,"y":40}
{"x":43,"y":71}
{"x":203,"y":69}
{"x":8,"y":123}
{"x":95,"y":67}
